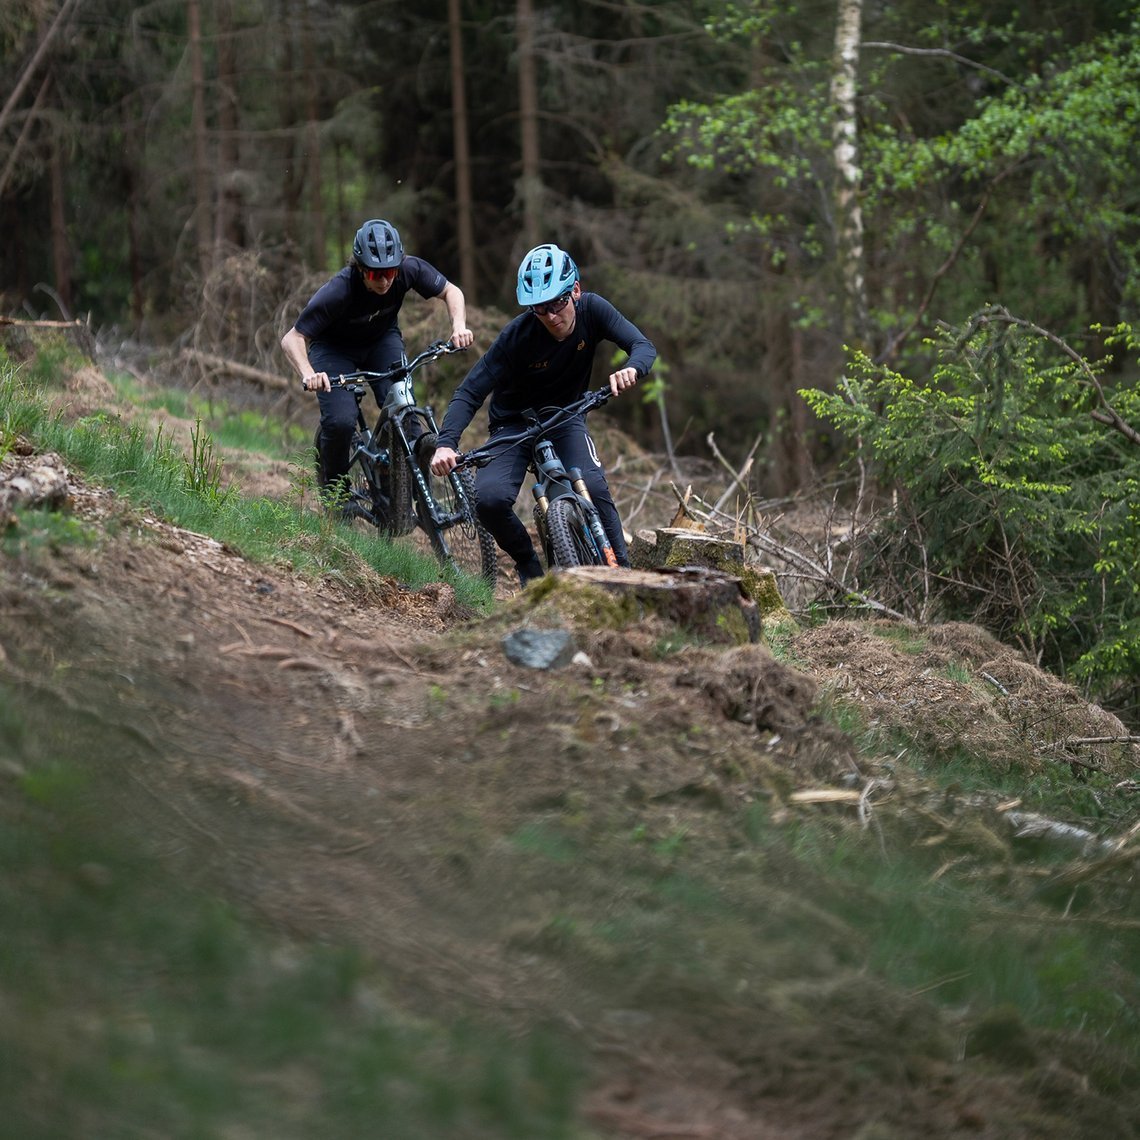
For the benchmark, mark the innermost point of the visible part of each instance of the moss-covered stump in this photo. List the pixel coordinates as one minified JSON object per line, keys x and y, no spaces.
{"x":672,"y":548}
{"x":707,"y":604}
{"x":22,"y":339}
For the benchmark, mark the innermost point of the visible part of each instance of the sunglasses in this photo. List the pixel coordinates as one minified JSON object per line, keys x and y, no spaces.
{"x":378,"y":274}
{"x":555,"y":306}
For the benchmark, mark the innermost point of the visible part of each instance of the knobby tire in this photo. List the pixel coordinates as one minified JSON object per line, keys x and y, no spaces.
{"x":401,"y":512}
{"x":466,"y":546}
{"x":571,"y":543}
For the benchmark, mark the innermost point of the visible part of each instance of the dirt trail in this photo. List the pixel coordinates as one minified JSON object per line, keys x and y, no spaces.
{"x":348,"y":763}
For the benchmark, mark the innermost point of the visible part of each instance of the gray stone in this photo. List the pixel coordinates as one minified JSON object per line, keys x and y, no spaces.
{"x":539,"y":648}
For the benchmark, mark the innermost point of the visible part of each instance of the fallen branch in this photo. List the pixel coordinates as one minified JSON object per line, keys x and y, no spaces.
{"x":737,"y":477}
{"x":1074,"y":741}
{"x":35,"y":324}
{"x":244,"y":371}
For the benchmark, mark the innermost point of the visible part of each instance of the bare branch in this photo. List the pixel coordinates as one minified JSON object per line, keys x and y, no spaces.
{"x":30,"y":70}
{"x":945,"y":53}
{"x":1108,"y":415}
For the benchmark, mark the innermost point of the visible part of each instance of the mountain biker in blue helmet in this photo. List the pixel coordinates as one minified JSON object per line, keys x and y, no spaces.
{"x":351,"y":323}
{"x":545,"y":274}
{"x":543,"y":358}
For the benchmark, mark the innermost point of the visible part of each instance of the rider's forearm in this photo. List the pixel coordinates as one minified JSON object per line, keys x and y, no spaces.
{"x":296,"y":349}
{"x":456,"y":304}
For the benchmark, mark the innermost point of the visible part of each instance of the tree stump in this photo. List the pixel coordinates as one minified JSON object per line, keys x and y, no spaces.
{"x":708,"y":604}
{"x":681,"y":547}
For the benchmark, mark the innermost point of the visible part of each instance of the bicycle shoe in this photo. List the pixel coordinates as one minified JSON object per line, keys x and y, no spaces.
{"x":529,"y":570}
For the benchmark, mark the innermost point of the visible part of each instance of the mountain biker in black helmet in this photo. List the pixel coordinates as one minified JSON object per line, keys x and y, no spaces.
{"x":543,"y":358}
{"x":351,"y":324}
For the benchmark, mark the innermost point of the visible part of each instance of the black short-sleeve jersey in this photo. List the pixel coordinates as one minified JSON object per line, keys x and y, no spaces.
{"x":342,"y":312}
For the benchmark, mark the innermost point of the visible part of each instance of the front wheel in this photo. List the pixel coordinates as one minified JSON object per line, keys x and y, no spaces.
{"x":571,"y":543}
{"x":401,"y":518}
{"x":459,"y":540}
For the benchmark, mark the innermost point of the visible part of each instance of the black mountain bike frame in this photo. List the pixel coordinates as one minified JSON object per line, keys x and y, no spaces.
{"x":388,"y":487}
{"x":569,"y":526}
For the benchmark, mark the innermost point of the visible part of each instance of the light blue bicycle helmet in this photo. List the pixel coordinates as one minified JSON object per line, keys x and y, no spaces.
{"x":545,"y":273}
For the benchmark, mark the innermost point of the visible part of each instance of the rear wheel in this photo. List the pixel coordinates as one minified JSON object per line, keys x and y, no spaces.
{"x":465,"y":545}
{"x":359,"y":496}
{"x":571,"y":543}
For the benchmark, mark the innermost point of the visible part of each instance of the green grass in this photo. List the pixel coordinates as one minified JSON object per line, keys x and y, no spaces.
{"x":667,"y":919}
{"x":186,"y":489}
{"x":965,"y":941}
{"x":241,"y":430}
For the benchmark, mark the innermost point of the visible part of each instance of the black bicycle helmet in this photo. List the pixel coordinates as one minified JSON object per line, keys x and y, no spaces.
{"x":378,"y":245}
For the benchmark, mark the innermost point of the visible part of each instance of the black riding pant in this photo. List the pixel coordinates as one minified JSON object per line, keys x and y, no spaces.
{"x":497,"y":488}
{"x":338,"y":407}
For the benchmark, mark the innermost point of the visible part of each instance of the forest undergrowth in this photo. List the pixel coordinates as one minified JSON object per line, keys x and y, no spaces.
{"x":295,"y":849}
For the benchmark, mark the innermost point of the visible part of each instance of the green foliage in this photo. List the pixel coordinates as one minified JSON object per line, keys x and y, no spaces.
{"x":203,"y":470}
{"x":1016,"y":502}
{"x":1015,"y":182}
{"x":1065,"y":134}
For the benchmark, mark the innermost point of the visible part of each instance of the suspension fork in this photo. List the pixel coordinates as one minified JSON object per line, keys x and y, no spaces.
{"x":550,"y":470}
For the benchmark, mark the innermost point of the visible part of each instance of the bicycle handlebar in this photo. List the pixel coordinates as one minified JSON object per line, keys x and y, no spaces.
{"x":436,"y":349}
{"x":481,"y":456}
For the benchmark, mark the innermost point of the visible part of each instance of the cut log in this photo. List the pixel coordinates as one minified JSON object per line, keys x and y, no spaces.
{"x":674,"y":548}
{"x":682,"y":546}
{"x":707,"y":604}
{"x":18,"y":335}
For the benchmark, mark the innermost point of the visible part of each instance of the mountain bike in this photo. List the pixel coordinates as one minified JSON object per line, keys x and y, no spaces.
{"x":396,"y":494}
{"x":569,"y":527}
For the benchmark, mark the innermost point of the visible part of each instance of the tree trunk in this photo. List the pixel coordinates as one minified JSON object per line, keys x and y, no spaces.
{"x":229,"y":226}
{"x":848,"y":176}
{"x":292,"y":180}
{"x":530,"y":184}
{"x":135,"y":207}
{"x":202,"y":210}
{"x":463,"y":196}
{"x":316,"y":214}
{"x":60,"y":246}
